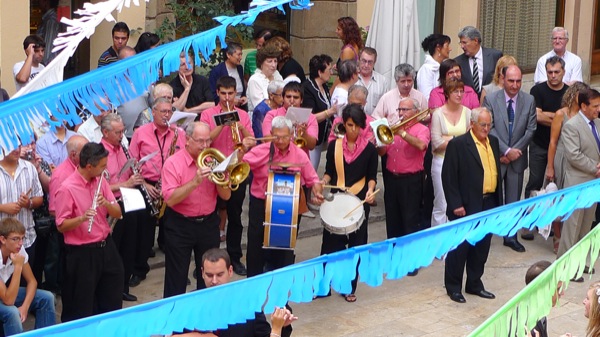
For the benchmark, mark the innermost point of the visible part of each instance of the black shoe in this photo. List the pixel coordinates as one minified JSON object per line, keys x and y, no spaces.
{"x":578,"y":280}
{"x":136,"y":280}
{"x":527,"y":236}
{"x":413,"y":273}
{"x":457,"y":297}
{"x":152,"y":253}
{"x":239,"y":268}
{"x":482,"y":293}
{"x":129,"y":298}
{"x":587,"y":270}
{"x":514,"y":244}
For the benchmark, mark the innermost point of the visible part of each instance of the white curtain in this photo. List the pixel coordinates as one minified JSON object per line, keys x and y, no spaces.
{"x":394,"y":33}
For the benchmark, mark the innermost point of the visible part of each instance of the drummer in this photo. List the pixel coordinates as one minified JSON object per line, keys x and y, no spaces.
{"x":262,"y":158}
{"x":351,"y":163}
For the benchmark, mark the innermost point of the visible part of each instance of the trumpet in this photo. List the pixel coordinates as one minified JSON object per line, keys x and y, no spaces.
{"x":386,"y":133}
{"x":339,"y":130}
{"x":95,"y":201}
{"x":236,"y":172}
{"x":298,"y":139}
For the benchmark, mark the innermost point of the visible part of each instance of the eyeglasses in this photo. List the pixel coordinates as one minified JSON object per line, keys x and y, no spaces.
{"x":205,"y":142}
{"x":485,"y":125}
{"x":458,"y":92}
{"x":16,"y":239}
{"x":276,"y":94}
{"x":558,"y":38}
{"x":284,"y":138}
{"x":369,"y":62}
{"x":404,"y":109}
{"x":165,"y":111}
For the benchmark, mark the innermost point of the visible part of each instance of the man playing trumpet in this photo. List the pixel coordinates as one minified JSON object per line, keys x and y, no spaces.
{"x":191,"y":220}
{"x":226,"y":138}
{"x":93,"y":279}
{"x":403,"y":180}
{"x":146,"y":140}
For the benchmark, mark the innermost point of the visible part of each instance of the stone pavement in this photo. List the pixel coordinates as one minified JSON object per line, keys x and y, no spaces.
{"x":411,"y":306}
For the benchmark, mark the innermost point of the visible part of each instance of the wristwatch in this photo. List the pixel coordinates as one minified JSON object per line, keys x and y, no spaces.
{"x":403,"y":134}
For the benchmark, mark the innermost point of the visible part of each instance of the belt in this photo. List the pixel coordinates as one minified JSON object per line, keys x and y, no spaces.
{"x":402,"y":175}
{"x":151,"y":182}
{"x":99,"y":244}
{"x":197,"y":219}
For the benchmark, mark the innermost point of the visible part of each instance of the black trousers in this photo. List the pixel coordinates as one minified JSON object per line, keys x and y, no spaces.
{"x":124,"y":235}
{"x":234,"y":222}
{"x":146,"y":230}
{"x":182,"y":236}
{"x":402,"y":198}
{"x":259,"y":260}
{"x":538,"y":158}
{"x":332,"y":243}
{"x":93,"y":282}
{"x":473,"y":256}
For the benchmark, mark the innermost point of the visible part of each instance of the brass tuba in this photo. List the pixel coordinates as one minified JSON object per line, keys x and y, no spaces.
{"x":236,"y":172}
{"x":386,"y":133}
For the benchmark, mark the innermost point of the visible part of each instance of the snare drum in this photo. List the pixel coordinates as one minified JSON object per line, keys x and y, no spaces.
{"x":281,"y":211}
{"x":333,"y":212}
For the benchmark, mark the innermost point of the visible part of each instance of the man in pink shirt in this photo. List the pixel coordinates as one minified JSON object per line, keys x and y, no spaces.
{"x":357,"y":94}
{"x":293,"y":94}
{"x":151,"y":137}
{"x":64,"y":170}
{"x":403,"y":180}
{"x":125,"y":229}
{"x":93,"y":279}
{"x":191,"y":220}
{"x":222,"y":140}
{"x":262,"y":158}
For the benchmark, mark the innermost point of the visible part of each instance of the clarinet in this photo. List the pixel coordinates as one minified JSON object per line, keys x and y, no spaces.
{"x":142,"y":187}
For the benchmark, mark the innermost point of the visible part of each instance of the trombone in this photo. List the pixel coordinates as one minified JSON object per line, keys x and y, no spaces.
{"x":386,"y":133}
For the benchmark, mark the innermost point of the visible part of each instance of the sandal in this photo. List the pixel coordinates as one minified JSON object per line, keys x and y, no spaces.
{"x":350,"y":298}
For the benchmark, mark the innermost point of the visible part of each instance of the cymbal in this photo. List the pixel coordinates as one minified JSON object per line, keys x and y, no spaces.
{"x":287,"y":165}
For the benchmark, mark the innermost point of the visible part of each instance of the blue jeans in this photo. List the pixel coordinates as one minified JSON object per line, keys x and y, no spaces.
{"x":42,"y":305}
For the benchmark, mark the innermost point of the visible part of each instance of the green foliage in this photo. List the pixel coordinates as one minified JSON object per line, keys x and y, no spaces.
{"x":195,"y":16}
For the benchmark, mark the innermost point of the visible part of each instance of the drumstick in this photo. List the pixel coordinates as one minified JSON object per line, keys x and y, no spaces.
{"x":338,"y":187}
{"x":357,"y":206}
{"x":265,"y":138}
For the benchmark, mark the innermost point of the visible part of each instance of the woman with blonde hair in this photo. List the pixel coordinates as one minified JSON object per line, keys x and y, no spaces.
{"x":498,"y":79}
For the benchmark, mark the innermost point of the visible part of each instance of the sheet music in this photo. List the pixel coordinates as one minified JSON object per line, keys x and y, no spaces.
{"x":133,"y":199}
{"x":182,"y":119}
{"x":298,"y":115}
{"x":225,"y":163}
{"x":148,"y":157}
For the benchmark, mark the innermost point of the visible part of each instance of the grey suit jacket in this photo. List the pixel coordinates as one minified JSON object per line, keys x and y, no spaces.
{"x":524,"y":124}
{"x":581,"y":150}
{"x":490,"y":57}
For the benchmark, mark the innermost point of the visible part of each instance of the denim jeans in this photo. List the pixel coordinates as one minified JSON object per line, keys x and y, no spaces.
{"x":42,"y":305}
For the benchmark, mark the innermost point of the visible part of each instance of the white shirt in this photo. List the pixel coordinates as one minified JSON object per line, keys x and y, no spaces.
{"x":479,"y":57}
{"x":378,"y":85}
{"x":91,"y":131}
{"x":339,"y":97}
{"x":428,"y":76}
{"x":6,"y":270}
{"x":257,"y":88}
{"x":34,"y":71}
{"x":572,"y":68}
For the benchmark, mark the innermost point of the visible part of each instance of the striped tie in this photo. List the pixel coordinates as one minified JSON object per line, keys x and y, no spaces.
{"x":476,"y":85}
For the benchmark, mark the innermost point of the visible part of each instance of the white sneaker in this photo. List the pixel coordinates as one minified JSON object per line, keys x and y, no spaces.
{"x":309,"y":214}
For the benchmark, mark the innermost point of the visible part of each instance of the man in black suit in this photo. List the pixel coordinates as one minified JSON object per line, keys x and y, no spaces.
{"x":471,"y":181}
{"x":477,"y":63}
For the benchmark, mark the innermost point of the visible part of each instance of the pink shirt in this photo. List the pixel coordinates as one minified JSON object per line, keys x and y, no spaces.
{"x":388,"y":104}
{"x":116,"y":161}
{"x":258,"y":158}
{"x":59,"y":175}
{"x":404,"y":158}
{"x":179,"y":169}
{"x":147,"y":139}
{"x":366,"y":133}
{"x":469,"y":99}
{"x":312,"y":128}
{"x":224,"y":141}
{"x":76,"y":195}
